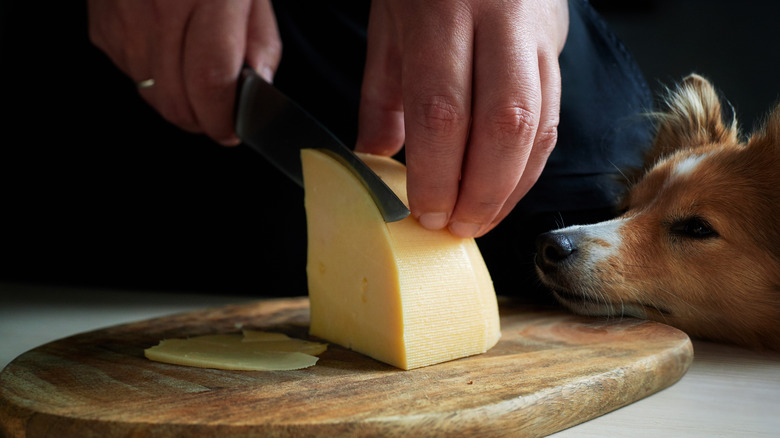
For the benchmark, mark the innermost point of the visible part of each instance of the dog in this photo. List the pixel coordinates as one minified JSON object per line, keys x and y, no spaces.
{"x":697,"y":245}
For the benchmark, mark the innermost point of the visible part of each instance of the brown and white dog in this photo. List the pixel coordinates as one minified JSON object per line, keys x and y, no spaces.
{"x":698,"y":246}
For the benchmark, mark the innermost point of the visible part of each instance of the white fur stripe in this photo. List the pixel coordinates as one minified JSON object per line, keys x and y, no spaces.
{"x":688,"y":165}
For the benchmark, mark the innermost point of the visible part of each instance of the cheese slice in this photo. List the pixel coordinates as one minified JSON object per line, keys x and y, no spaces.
{"x":397,"y":292}
{"x":250,"y":351}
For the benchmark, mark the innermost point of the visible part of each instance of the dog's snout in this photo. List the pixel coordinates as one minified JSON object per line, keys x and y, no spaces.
{"x":552,"y":248}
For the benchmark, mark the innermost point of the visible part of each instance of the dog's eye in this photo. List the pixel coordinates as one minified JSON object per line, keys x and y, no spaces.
{"x":694,"y":227}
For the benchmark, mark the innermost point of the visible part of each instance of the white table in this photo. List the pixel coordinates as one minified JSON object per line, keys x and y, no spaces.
{"x":728,"y":391}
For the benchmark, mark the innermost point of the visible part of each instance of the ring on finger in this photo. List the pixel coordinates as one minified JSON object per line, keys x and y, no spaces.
{"x":146,"y":83}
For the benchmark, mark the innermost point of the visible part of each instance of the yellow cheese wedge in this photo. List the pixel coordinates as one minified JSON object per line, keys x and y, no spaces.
{"x":397,"y":292}
{"x":252,"y":351}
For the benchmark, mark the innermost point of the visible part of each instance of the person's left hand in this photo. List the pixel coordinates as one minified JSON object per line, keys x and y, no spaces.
{"x":472,"y":87}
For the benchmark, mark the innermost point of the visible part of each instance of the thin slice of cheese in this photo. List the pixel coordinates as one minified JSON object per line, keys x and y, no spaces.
{"x":397,"y":292}
{"x":280,"y":342}
{"x":257,"y":351}
{"x":257,"y":336}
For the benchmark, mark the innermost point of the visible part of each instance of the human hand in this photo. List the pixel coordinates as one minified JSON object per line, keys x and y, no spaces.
{"x":194,"y":51}
{"x":473,"y":88}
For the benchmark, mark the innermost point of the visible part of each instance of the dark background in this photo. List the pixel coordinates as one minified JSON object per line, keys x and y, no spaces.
{"x":734,"y":44}
{"x":97,"y":190}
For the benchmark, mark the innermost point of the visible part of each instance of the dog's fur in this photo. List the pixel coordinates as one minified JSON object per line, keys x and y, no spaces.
{"x":698,"y":246}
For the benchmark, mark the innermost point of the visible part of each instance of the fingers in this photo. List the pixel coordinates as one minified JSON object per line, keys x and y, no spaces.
{"x":163,"y":63}
{"x":544,"y":141}
{"x":436,"y":87}
{"x":124,"y":29}
{"x":515,"y":112}
{"x":144,"y":39}
{"x":550,"y":86}
{"x":220,"y":37}
{"x":505,"y":120}
{"x":193,"y":49}
{"x":380,"y":115}
{"x":213,"y":54}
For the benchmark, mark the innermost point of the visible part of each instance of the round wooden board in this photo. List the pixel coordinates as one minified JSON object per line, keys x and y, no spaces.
{"x":551,"y":370}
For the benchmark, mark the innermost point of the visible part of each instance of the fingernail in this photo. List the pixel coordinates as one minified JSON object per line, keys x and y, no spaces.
{"x":464,"y":229}
{"x":266,"y":73}
{"x":433,"y":221}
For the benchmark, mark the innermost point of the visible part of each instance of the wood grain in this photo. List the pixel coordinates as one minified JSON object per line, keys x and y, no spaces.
{"x":551,"y":370}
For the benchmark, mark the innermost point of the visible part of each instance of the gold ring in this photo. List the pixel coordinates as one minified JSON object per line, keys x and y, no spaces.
{"x":145,"y":84}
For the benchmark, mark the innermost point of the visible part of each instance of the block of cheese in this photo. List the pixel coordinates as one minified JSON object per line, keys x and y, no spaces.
{"x":396,"y":292}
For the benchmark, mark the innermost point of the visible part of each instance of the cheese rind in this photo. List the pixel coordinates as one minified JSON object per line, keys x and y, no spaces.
{"x":397,"y":292}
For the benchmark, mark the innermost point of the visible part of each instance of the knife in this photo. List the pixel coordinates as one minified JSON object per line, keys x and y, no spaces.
{"x":274,"y":125}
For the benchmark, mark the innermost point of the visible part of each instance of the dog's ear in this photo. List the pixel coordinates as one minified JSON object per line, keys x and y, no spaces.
{"x":692,"y":116}
{"x":763,"y":150}
{"x":769,"y":135}
{"x":760,"y":160}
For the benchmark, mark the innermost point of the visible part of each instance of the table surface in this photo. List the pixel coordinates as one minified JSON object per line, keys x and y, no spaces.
{"x":728,"y":391}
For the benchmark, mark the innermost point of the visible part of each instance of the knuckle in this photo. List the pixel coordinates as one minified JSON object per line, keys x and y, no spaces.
{"x":546,"y":139}
{"x":491,"y":205}
{"x":510,"y":121}
{"x":440,"y":114}
{"x":210,"y":79}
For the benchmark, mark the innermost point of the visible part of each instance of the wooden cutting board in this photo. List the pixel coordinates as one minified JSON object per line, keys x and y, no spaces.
{"x":550,"y":370}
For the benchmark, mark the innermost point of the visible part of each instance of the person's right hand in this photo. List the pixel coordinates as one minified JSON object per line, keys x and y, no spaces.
{"x":193,"y":50}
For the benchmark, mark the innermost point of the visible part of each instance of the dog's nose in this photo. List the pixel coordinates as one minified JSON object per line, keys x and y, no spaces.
{"x":552,"y":248}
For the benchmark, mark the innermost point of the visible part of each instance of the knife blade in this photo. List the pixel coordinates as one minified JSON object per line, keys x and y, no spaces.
{"x":278,"y":128}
